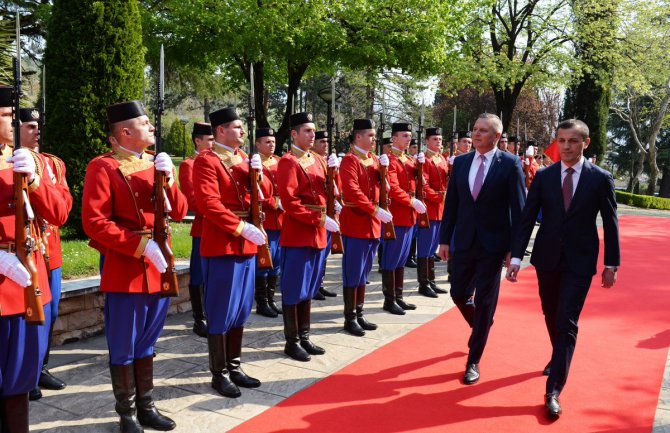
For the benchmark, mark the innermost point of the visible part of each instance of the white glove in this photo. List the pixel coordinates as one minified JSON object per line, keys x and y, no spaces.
{"x":163,"y":163}
{"x":279,"y":206}
{"x":384,"y":160}
{"x":23,"y":163}
{"x":257,"y":164}
{"x":418,"y":206}
{"x":526,"y":161}
{"x":383,"y":215}
{"x":421,"y":158}
{"x":451,"y":160}
{"x":153,"y":252}
{"x":331,"y":225}
{"x":11,"y":267}
{"x":332,"y":161}
{"x":251,"y":233}
{"x":338,"y":207}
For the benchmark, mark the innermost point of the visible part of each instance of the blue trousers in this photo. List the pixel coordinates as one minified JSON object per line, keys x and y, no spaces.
{"x":357,"y":260}
{"x":275,"y":251}
{"x":395,"y":252}
{"x":229,"y":291}
{"x":55,"y":284}
{"x":302,"y":269}
{"x":427,"y":240}
{"x":133,"y":323}
{"x":22,"y":350}
{"x":195,"y":265}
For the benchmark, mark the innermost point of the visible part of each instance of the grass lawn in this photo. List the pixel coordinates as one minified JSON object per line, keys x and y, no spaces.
{"x":80,"y":260}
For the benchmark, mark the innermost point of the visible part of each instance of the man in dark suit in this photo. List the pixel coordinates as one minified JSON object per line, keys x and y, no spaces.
{"x":570,"y":194}
{"x":484,"y":200}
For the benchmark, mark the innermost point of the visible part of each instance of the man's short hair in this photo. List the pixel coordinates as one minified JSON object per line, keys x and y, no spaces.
{"x":497,"y":123}
{"x":359,"y":132}
{"x":575,"y":123}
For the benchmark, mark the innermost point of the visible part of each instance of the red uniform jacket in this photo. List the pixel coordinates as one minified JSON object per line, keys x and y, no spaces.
{"x":118,"y":213}
{"x":46,"y":200}
{"x":402,"y":180}
{"x":302,"y":188}
{"x":221,"y":184}
{"x":360,"y":193}
{"x":436,"y":168}
{"x":530,"y":170}
{"x":186,"y":186}
{"x":52,"y":231}
{"x":273,"y":215}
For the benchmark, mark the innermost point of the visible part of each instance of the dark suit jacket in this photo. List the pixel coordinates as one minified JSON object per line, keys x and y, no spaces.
{"x":497,"y":209}
{"x":570,"y":235}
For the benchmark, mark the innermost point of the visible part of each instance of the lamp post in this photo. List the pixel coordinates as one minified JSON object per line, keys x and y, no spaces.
{"x":329,"y":95}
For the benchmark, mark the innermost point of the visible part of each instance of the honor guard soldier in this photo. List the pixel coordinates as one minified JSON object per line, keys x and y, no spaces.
{"x":53,"y":170}
{"x":361,"y":222}
{"x":222,"y":177}
{"x":266,"y":280}
{"x":387,"y":146}
{"x":512,"y":144}
{"x":502,"y":144}
{"x":320,"y":150}
{"x":435,"y":169}
{"x":530,"y":165}
{"x":202,"y":140}
{"x":303,"y":237}
{"x":118,"y":214}
{"x":23,"y":345}
{"x":404,"y":207}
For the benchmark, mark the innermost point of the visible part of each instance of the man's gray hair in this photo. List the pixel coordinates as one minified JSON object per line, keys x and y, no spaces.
{"x":495,"y":121}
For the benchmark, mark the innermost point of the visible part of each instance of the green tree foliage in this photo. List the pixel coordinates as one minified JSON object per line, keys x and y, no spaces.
{"x":94,"y":58}
{"x":178,"y":142}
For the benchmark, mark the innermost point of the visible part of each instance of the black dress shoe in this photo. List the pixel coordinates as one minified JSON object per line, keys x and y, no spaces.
{"x":436,"y":258}
{"x":150,"y":417}
{"x":224,"y":386}
{"x":312,"y":348}
{"x":552,"y":405}
{"x":318,"y":296}
{"x":471,"y":375}
{"x":410,"y":263}
{"x":427,"y":291}
{"x":34,"y":395}
{"x":547,"y":369}
{"x":295,"y":351}
{"x":200,"y":328}
{"x":49,"y":381}
{"x":405,"y":305}
{"x":240,"y":378}
{"x":326,"y":292}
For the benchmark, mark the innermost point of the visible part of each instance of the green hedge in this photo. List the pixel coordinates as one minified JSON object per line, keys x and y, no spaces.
{"x":643,"y":201}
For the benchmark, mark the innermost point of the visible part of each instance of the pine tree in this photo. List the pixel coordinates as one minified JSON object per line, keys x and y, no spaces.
{"x":178,"y":142}
{"x":94,"y":57}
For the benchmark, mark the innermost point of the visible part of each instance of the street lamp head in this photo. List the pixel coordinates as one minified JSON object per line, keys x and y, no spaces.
{"x":326,"y":95}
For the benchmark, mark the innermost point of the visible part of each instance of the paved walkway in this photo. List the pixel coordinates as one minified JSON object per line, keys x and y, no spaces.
{"x":181,"y":367}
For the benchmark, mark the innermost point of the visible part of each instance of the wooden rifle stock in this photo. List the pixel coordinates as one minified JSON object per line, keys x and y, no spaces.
{"x":388,"y":230}
{"x":424,"y":223}
{"x":264,"y":255}
{"x":335,"y":237}
{"x":162,"y":235}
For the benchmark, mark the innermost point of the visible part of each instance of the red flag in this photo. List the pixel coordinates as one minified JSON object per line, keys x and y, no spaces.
{"x":552,"y":152}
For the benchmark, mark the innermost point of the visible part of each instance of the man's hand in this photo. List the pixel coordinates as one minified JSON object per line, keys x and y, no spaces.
{"x":443,"y":252}
{"x":383,"y":215}
{"x":418,"y":206}
{"x":23,"y":163}
{"x":608,"y":278}
{"x":11,"y":267}
{"x":331,"y":225}
{"x":153,"y":252}
{"x":421,"y":158}
{"x":163,"y":163}
{"x":338,"y":207}
{"x":512,"y":272}
{"x":333,"y":162}
{"x":384,"y":160}
{"x":257,"y":164}
{"x":251,"y":233}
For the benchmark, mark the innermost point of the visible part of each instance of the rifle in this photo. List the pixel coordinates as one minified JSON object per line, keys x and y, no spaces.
{"x":44,"y":225}
{"x":24,"y":238}
{"x":263,"y":256}
{"x":162,"y":234}
{"x":388,"y":230}
{"x":424,"y":223}
{"x":336,"y":246}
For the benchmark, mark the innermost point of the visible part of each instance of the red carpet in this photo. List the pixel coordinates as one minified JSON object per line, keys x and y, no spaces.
{"x":414,"y":383}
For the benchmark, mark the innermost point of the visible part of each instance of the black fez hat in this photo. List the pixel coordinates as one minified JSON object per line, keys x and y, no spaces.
{"x":29,"y":115}
{"x":298,"y":119}
{"x":530,"y":143}
{"x":513,"y":138}
{"x":401,"y":127}
{"x":433,"y":131}
{"x":386,"y":140}
{"x":124,"y":111}
{"x":360,"y":124}
{"x":200,"y":128}
{"x":504,"y":135}
{"x":224,"y":115}
{"x":264,"y":132}
{"x":320,"y":135}
{"x":464,"y":134}
{"x":412,"y":142}
{"x":6,"y":96}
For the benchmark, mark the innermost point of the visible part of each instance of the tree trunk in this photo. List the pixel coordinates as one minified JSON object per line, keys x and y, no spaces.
{"x":653,"y":168}
{"x":206,"y":109}
{"x":295,"y":74}
{"x":635,"y":177}
{"x":665,"y":183}
{"x":506,"y":101}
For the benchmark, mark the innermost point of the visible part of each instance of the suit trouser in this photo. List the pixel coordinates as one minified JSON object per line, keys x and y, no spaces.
{"x":562,"y":294}
{"x":476,"y":269}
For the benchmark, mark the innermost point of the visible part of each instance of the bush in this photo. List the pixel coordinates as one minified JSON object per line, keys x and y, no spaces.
{"x":178,"y":142}
{"x":643,"y":201}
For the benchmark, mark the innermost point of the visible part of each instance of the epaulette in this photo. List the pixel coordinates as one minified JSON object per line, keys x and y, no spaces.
{"x":59,"y":164}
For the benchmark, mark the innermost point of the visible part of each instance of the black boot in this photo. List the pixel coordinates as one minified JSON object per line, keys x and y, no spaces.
{"x":431,"y":277}
{"x":390,"y":305}
{"x":327,"y":293}
{"x":350,"y":323}
{"x":14,"y":413}
{"x":217,"y":365}
{"x":292,"y":348}
{"x":422,"y":276}
{"x":199,"y":322}
{"x":436,"y":258}
{"x":147,"y":414}
{"x":399,"y":282}
{"x":123,"y":386}
{"x":261,"y":294}
{"x":411,"y":258}
{"x":380,"y":250}
{"x":272,"y":288}
{"x":304,"y":319}
{"x":360,"y":300}
{"x":47,"y":380}
{"x":233,"y":353}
